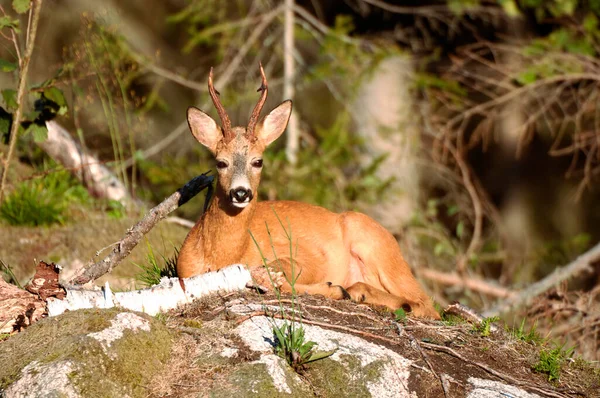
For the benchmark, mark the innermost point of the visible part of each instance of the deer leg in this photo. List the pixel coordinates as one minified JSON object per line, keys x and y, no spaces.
{"x":363,"y":293}
{"x":279,"y":273}
{"x":335,"y":292}
{"x":384,"y":277}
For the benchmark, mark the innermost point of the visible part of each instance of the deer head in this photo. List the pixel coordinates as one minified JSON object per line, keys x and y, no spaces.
{"x":238,"y":150}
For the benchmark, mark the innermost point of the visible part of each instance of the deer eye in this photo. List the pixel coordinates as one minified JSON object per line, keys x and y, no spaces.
{"x":221,"y":164}
{"x":257,"y":163}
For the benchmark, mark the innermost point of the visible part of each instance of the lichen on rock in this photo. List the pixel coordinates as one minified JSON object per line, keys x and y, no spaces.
{"x":89,"y":352}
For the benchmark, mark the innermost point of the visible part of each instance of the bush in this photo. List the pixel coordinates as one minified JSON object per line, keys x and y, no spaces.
{"x":42,"y":201}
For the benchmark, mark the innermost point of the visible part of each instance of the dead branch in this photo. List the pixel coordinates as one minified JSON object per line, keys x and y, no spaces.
{"x":180,"y":221}
{"x":97,"y":178}
{"x":475,"y":284}
{"x":580,"y":265}
{"x":135,"y":233}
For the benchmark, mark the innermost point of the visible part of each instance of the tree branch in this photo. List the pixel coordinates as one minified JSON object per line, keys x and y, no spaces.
{"x":475,"y":284}
{"x":134,"y":234}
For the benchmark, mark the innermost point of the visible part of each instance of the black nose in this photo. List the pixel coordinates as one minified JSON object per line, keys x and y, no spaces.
{"x":240,"y":195}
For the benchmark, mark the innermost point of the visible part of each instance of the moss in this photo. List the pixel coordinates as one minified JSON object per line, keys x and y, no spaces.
{"x":48,"y":340}
{"x":192,"y":323}
{"x":346,"y":377}
{"x":138,"y":356}
{"x":252,"y":380}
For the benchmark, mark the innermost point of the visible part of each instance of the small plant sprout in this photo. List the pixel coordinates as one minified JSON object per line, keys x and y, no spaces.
{"x":485,"y":327}
{"x":550,"y":361}
{"x":400,"y":315}
{"x":292,"y":346}
{"x":532,"y":336}
{"x":152,"y":270}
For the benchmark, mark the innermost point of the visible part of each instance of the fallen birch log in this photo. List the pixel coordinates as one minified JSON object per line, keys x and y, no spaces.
{"x":20,"y":308}
{"x":95,"y":176}
{"x":167,"y":295}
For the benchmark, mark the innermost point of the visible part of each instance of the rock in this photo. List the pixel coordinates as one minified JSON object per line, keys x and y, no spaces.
{"x":85,"y":353}
{"x":224,"y":347}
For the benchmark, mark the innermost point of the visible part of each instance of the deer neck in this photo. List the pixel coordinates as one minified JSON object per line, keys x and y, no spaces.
{"x":224,"y":231}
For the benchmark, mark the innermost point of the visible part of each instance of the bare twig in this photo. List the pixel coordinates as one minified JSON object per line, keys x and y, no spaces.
{"x":21,"y":89}
{"x":180,"y":221}
{"x":475,"y":284}
{"x":134,"y":234}
{"x":167,"y":74}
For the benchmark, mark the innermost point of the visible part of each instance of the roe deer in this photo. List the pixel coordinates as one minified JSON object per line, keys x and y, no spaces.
{"x":347,"y":255}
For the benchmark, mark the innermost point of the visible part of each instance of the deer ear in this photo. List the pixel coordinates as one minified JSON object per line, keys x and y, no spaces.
{"x":274,"y":124}
{"x":204,"y":128}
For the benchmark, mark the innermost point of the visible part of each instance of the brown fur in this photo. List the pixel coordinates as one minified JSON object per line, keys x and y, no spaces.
{"x":336,"y":255}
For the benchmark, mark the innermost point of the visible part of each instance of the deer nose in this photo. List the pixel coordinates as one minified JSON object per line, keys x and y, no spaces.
{"x":240,"y":195}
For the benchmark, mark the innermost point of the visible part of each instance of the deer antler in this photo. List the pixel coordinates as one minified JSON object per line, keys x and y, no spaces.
{"x":214,"y":95}
{"x":261,"y":102}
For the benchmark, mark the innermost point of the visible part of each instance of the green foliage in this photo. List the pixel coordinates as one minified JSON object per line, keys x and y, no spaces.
{"x":510,"y":7}
{"x":21,"y":6}
{"x":342,"y":57}
{"x":329,"y":175}
{"x":7,"y":66}
{"x":531,"y":336}
{"x":550,"y":361}
{"x":104,"y":72}
{"x":550,"y":8}
{"x":154,"y":269}
{"x":434,"y":235}
{"x":485,"y":327}
{"x":459,"y":7}
{"x":400,"y":315}
{"x":292,"y":346}
{"x":203,"y":19}
{"x":115,"y":209}
{"x":425,"y":80}
{"x":43,"y":201}
{"x":452,"y":320}
{"x":10,"y":98}
{"x":39,"y":132}
{"x":8,"y":22}
{"x":549,"y":254}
